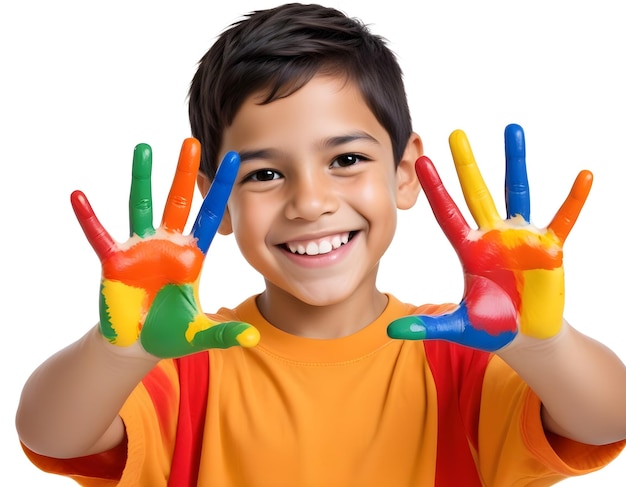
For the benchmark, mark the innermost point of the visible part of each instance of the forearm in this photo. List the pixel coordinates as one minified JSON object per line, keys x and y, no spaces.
{"x":69,"y":406}
{"x":581,"y":383}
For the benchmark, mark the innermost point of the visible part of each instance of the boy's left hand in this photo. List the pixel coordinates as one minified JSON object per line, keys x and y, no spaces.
{"x":513,"y":271}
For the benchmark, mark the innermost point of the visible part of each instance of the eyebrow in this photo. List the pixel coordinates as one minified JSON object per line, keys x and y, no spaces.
{"x":327,"y":143}
{"x":345,"y":139}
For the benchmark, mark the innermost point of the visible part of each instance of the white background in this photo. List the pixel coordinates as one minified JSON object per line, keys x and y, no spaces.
{"x":83,"y":82}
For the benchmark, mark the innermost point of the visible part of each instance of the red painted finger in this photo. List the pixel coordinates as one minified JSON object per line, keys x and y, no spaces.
{"x":446,"y":211}
{"x":98,"y":237}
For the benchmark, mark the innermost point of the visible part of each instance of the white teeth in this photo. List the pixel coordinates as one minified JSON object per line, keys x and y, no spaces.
{"x":312,"y":249}
{"x":325,"y":247}
{"x":322,"y":246}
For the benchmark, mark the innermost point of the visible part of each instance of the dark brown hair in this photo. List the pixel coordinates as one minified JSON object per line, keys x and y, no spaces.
{"x":278,"y":51}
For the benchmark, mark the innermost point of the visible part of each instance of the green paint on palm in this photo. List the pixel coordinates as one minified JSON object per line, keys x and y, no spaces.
{"x":173,"y":310}
{"x":106,"y":327}
{"x":163,"y":332}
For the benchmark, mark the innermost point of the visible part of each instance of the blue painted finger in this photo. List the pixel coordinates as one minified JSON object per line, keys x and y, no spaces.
{"x":517,"y":193}
{"x":213,"y":207}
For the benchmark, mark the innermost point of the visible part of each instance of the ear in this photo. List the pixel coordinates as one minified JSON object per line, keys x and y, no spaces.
{"x":407,"y":185}
{"x":204,"y":183}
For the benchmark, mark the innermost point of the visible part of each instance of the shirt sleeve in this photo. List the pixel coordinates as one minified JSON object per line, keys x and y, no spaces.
{"x":99,"y":470}
{"x":511,"y":437}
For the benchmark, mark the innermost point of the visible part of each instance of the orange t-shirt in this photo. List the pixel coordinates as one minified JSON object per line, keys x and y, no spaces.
{"x":363,"y":410}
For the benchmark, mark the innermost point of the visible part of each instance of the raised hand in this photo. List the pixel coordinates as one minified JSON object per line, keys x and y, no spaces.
{"x":513,"y":271}
{"x":149,"y":288}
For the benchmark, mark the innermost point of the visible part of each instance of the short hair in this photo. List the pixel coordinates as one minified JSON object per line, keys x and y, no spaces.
{"x":278,"y":51}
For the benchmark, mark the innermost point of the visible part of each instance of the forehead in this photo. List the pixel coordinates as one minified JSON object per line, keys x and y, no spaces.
{"x":323,"y":108}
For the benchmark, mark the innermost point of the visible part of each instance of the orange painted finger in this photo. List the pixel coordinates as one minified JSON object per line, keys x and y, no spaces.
{"x":179,"y":200}
{"x":564,"y":220}
{"x":475,"y":191}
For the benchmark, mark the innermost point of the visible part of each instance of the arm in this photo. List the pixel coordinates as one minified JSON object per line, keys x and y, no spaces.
{"x":514,"y":296}
{"x":148,"y":311}
{"x":581,"y":384}
{"x":69,"y":406}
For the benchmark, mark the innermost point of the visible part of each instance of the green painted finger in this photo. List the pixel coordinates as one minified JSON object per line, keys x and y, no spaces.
{"x":140,"y":203}
{"x":226,"y":335}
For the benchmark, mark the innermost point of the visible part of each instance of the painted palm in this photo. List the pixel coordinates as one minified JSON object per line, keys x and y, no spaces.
{"x":513,"y":271}
{"x":149,"y":287}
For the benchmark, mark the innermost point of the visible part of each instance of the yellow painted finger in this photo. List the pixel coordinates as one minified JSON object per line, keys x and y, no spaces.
{"x":477,"y":196}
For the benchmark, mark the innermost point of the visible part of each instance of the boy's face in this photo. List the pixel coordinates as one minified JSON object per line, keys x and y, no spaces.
{"x":313,"y":208}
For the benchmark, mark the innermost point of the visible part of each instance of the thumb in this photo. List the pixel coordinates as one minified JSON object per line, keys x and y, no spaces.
{"x":453,"y":327}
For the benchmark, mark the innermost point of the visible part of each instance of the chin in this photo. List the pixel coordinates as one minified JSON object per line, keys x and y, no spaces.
{"x":323,"y":296}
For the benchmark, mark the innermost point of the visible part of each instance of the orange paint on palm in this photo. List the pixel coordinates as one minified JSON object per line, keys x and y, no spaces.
{"x":136,"y":266}
{"x":526,"y":249}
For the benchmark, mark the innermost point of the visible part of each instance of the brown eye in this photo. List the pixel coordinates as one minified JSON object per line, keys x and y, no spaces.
{"x":264,"y":175}
{"x":346,"y":160}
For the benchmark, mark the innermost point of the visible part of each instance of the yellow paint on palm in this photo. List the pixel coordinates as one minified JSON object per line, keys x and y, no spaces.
{"x":546,"y":241}
{"x":200,"y":323}
{"x":196,"y":289}
{"x":543,"y":300}
{"x":124,"y":306}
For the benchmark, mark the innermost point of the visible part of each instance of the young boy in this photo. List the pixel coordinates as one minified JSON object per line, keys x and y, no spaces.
{"x":302,"y":384}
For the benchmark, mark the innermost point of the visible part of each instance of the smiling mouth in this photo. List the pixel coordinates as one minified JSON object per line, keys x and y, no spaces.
{"x":319,"y":246}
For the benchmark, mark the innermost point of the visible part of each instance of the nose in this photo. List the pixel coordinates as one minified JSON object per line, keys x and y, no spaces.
{"x":311,"y":196}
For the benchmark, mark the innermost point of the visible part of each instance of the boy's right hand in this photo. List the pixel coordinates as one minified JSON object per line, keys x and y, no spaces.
{"x":149,"y":289}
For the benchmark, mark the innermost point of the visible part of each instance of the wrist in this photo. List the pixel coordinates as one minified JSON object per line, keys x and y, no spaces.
{"x":132,"y":354}
{"x":525,"y":347}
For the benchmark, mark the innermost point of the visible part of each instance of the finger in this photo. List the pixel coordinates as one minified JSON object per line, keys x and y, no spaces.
{"x":140,"y":203}
{"x":453,"y":327}
{"x":446,"y":212}
{"x":424,"y":327}
{"x":97,"y":236}
{"x":564,"y":220}
{"x":214,"y":205}
{"x":477,"y":196}
{"x":517,"y":194}
{"x":226,"y":335}
{"x":179,"y":200}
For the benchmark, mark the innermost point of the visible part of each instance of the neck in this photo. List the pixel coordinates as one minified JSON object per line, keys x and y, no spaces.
{"x":334,"y":320}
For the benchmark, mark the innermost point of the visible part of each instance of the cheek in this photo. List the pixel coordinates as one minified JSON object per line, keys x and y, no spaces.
{"x":251,"y":222}
{"x":376,"y":203}
{"x":377,"y":198}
